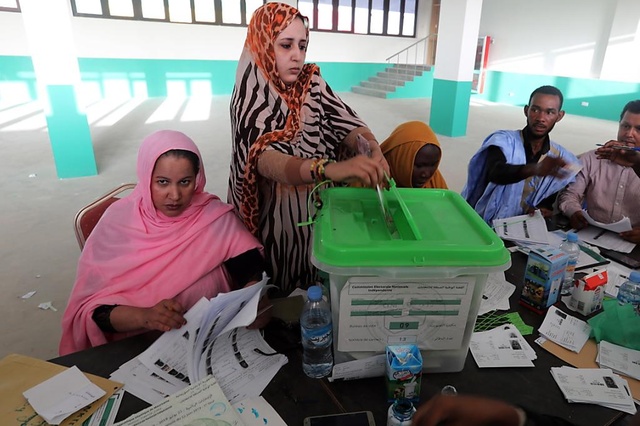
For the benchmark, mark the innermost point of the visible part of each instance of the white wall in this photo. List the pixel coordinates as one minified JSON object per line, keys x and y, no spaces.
{"x":13,"y":39}
{"x":574,"y":38}
{"x":113,"y":38}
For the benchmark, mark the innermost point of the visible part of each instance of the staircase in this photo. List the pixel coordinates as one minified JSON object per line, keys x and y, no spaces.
{"x":388,"y":80}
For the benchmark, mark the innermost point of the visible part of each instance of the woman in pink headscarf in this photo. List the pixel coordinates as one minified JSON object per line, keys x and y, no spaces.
{"x":155,"y":253}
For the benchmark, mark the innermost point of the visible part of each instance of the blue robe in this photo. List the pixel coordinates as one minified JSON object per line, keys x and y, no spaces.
{"x":493,"y":201}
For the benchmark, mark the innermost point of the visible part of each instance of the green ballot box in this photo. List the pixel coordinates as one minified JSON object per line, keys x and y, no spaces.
{"x":416,"y":281}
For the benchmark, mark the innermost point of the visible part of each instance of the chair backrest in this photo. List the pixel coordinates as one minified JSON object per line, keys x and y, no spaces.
{"x":88,"y":216}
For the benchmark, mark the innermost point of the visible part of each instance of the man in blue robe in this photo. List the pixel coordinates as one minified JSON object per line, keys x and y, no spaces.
{"x":517,"y":171}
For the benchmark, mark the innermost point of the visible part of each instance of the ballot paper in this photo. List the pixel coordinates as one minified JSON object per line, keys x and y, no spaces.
{"x":257,"y":412}
{"x":106,"y":414}
{"x":524,"y":228}
{"x":60,"y":396}
{"x":599,"y":386}
{"x":373,"y":366}
{"x":617,"y":275}
{"x":243,"y":363}
{"x":605,"y":239}
{"x":589,"y":255}
{"x":202,"y":403}
{"x":502,"y":346}
{"x":622,"y":225}
{"x":565,"y":330}
{"x":496,"y":293}
{"x":620,"y":359}
{"x":215,"y":341}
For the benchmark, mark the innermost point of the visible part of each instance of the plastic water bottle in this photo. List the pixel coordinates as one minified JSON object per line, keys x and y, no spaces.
{"x":400,"y":413}
{"x":571,"y":247}
{"x":317,"y":335}
{"x":629,"y":291}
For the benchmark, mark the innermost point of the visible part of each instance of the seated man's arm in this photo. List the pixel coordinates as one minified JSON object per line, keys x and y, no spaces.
{"x":502,"y":173}
{"x":499,"y":171}
{"x":623,"y":157}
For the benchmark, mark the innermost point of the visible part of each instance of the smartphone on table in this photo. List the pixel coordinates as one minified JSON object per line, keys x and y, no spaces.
{"x":359,"y":418}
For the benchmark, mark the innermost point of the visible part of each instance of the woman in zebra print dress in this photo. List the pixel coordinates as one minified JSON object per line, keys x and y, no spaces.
{"x":289,"y":131}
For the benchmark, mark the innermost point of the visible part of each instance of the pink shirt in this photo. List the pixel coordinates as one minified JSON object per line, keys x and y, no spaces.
{"x":609,"y":190}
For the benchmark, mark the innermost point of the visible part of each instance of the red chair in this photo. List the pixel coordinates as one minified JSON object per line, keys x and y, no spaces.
{"x":88,"y":216}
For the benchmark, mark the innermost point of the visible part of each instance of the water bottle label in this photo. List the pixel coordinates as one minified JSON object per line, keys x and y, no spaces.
{"x":320,"y":336}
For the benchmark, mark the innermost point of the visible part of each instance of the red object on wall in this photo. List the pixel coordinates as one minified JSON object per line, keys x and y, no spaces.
{"x":480,"y":68}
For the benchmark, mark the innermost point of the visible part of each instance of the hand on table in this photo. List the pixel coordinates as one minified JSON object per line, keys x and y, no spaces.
{"x":463,"y":410}
{"x":578,"y":221}
{"x":631,"y":236}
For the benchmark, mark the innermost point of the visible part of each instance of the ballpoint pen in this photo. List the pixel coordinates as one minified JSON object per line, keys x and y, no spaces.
{"x":622,"y":147}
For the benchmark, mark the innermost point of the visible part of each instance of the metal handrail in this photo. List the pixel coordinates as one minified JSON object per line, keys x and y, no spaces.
{"x":428,"y":58}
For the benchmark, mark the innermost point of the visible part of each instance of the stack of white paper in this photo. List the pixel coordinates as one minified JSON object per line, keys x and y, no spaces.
{"x":496,"y":293}
{"x":565,"y":330}
{"x":599,"y":386}
{"x":215,"y":341}
{"x":620,"y":359}
{"x":524,"y":228}
{"x":502,"y":346}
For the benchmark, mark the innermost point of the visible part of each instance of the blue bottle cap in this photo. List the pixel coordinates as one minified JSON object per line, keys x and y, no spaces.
{"x":634,"y":276}
{"x":572,"y":237}
{"x":314,"y":293}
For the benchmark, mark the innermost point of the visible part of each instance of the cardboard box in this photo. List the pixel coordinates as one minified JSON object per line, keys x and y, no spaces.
{"x":543,"y":277}
{"x":588,"y":293}
{"x":404,"y":372}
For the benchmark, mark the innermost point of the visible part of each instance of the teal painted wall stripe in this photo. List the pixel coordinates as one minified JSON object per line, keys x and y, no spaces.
{"x":605,"y":98}
{"x":160,"y":76}
{"x":69,"y":134}
{"x":450,"y":107}
{"x":342,"y":76}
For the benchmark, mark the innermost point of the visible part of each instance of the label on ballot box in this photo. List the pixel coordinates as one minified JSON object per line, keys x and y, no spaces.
{"x":403,"y":372}
{"x":543,"y":277}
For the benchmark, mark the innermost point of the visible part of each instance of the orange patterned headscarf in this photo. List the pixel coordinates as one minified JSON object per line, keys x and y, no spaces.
{"x":266,"y":24}
{"x":400,"y":150}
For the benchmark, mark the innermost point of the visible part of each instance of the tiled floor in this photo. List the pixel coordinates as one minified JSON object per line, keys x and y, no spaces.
{"x":38,"y":250}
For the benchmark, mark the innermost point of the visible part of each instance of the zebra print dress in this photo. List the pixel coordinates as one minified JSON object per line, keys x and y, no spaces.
{"x":257,"y":108}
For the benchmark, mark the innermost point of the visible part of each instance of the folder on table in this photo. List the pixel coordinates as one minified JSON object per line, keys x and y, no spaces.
{"x":19,"y":373}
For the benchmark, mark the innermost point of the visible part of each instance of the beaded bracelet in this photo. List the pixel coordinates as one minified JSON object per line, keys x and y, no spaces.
{"x":322,"y":176}
{"x":312,"y":170}
{"x":318,"y":173}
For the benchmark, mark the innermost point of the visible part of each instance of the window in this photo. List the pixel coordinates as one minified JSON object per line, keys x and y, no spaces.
{"x":9,"y":6}
{"x":384,"y":17}
{"x":218,"y":12}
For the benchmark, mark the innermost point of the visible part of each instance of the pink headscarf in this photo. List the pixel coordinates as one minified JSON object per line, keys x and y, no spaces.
{"x":137,"y":256}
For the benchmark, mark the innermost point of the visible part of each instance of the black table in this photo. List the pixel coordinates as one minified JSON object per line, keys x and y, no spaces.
{"x":295,"y":396}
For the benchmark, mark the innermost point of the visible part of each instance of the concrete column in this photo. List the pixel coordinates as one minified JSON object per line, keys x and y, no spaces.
{"x":458,"y":29}
{"x":48,"y":28}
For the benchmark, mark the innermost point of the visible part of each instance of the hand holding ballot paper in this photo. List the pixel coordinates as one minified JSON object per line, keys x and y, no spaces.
{"x":215,"y":342}
{"x":606,"y":235}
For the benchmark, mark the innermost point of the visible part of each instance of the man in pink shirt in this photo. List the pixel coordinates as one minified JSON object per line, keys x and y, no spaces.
{"x":608,"y":188}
